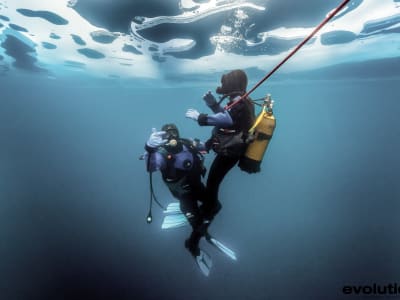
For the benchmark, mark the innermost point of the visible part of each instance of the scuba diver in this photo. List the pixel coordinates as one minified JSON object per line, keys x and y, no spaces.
{"x":180,"y":162}
{"x":230,"y":136}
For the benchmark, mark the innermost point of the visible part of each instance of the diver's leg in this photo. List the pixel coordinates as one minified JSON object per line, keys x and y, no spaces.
{"x":189,"y":207}
{"x":218,"y":170}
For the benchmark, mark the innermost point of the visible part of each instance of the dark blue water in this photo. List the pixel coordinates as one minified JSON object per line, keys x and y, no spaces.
{"x":322,"y":214}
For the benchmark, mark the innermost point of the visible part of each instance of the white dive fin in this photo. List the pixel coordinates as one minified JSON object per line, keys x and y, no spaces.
{"x":174,"y":221}
{"x":224,"y":249}
{"x":173,"y":208}
{"x":204,"y":262}
{"x":174,"y":217}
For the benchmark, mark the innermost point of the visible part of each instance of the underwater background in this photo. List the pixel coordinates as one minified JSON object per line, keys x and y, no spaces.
{"x":83,"y":83}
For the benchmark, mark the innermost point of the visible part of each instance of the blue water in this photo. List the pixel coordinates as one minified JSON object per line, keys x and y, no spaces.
{"x":82,"y":83}
{"x":322,"y":214}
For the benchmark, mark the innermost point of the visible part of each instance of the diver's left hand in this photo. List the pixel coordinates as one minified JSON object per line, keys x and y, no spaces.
{"x":192,"y":114}
{"x":209,"y":99}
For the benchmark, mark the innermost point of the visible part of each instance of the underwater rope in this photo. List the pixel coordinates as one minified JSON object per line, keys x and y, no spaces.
{"x":326,"y":20}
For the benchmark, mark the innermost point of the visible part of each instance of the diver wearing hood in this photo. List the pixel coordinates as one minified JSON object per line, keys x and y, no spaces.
{"x":229,"y":138}
{"x":181,"y":165}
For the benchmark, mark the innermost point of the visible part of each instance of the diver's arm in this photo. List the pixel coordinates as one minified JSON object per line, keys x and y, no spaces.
{"x":153,"y":159}
{"x":216,"y":108}
{"x":199,"y":145}
{"x":225,"y":118}
{"x":212,"y":103}
{"x":221,"y":119}
{"x":196,"y":144}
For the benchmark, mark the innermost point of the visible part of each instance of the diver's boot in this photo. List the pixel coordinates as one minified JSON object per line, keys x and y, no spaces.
{"x":203,"y":227}
{"x":203,"y":260}
{"x":192,"y":243}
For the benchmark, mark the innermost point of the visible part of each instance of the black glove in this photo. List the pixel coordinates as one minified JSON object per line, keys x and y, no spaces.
{"x":209,"y":99}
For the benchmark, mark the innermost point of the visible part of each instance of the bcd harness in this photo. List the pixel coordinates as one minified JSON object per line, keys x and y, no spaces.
{"x":249,"y":145}
{"x":171,"y":173}
{"x":172,"y":176}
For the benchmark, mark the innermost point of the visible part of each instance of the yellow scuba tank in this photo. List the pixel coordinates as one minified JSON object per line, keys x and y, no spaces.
{"x":262,"y":132}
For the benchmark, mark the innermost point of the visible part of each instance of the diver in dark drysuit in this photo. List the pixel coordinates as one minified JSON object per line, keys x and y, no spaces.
{"x":229,"y":138}
{"x":180,"y":163}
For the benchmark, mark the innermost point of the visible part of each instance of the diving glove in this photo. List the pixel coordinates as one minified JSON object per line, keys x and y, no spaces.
{"x":192,"y":114}
{"x":156,"y":139}
{"x":209,"y":99}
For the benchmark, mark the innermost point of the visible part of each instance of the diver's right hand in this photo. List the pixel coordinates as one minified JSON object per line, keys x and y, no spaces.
{"x":209,"y":99}
{"x":156,"y":139}
{"x":192,"y":114}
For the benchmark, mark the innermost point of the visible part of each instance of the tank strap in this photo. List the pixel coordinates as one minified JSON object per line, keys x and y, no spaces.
{"x":262,"y":136}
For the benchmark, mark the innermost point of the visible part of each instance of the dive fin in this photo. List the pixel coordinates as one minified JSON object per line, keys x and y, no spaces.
{"x":174,"y":217}
{"x":204,"y":262}
{"x":173,"y":208}
{"x":174,"y":221}
{"x":221,"y":247}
